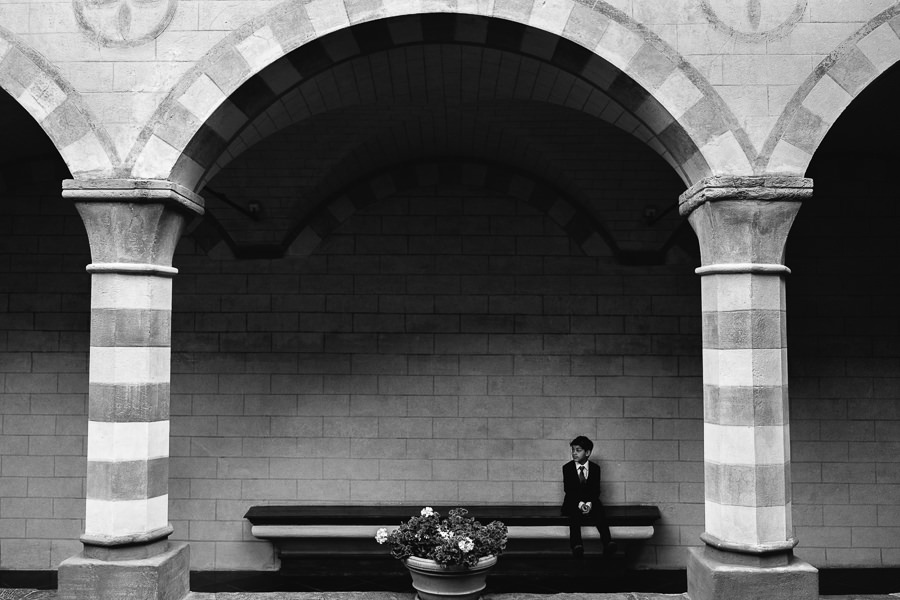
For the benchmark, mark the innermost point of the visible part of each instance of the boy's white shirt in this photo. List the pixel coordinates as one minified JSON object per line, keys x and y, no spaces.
{"x":587,"y":468}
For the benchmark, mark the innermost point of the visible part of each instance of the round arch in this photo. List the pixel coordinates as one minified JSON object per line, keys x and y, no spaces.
{"x":828,"y":91}
{"x":437,"y":68}
{"x":45,"y":94}
{"x":683,"y":113}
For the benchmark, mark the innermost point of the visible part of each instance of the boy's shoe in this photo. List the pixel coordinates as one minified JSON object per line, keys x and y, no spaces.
{"x":578,"y":551}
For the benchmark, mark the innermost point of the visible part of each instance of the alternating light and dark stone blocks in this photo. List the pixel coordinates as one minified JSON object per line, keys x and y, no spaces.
{"x":742,"y":224}
{"x":133,"y":228}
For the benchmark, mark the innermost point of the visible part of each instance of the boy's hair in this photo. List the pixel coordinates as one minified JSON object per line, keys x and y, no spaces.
{"x":584,"y":442}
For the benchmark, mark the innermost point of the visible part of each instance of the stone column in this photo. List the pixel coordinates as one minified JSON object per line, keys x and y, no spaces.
{"x":133,"y":227}
{"x":742,"y":224}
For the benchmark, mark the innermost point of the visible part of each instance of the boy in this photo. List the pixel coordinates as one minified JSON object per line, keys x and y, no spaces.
{"x":581,"y":483}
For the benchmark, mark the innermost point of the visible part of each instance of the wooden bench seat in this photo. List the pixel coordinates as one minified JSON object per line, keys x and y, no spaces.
{"x":319,"y":531}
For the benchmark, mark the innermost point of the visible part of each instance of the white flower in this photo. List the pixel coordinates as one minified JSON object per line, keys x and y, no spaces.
{"x":466,"y":545}
{"x":445,"y":534}
{"x":381,"y":535}
{"x":427,"y":511}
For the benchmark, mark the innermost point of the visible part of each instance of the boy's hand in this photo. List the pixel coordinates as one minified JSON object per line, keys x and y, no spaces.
{"x":585,"y":508}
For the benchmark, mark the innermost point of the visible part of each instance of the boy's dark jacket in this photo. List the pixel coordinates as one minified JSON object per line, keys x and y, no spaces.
{"x":575,"y":492}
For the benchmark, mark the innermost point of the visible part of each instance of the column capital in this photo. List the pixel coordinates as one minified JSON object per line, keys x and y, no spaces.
{"x":742,"y":223}
{"x":133,"y":190}
{"x":133,"y":225}
{"x":779,"y":188}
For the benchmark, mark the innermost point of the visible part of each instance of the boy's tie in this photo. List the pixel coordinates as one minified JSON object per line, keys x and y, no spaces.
{"x":581,"y":474}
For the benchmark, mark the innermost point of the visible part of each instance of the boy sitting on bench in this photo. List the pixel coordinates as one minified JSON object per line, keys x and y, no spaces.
{"x":581,"y":484}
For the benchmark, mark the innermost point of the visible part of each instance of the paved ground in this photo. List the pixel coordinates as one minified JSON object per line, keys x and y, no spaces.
{"x":20,"y":594}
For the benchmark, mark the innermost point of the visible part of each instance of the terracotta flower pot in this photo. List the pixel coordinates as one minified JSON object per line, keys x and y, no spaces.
{"x":435,"y":582}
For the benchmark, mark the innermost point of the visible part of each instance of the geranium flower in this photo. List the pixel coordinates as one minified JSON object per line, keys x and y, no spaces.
{"x":456,"y":540}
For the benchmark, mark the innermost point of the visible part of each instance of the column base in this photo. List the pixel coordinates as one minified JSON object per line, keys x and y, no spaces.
{"x":716,"y":575}
{"x":165,"y":576}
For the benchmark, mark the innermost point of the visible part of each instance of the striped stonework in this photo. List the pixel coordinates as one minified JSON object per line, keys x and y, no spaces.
{"x":742,"y":225}
{"x":746,"y":432}
{"x":128,"y":423}
{"x":133,"y":228}
{"x":608,"y":65}
{"x":44,"y":92}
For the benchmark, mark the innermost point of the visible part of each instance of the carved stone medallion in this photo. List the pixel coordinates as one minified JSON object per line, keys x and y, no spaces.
{"x":754,"y":20}
{"x":124,"y":23}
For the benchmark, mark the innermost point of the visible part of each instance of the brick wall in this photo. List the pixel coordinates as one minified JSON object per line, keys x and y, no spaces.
{"x":443,"y":347}
{"x":387,"y":368}
{"x":845,"y":366}
{"x":44,"y":317}
{"x":613,"y":182}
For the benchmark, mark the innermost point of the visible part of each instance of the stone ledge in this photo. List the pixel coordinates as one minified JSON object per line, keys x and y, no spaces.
{"x":274,"y":532}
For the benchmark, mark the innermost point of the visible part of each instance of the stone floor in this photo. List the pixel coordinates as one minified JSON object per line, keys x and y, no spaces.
{"x":24,"y":594}
{"x":411,"y":596}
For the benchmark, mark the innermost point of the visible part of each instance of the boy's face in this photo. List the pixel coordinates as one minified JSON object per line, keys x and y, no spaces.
{"x":580,"y":455}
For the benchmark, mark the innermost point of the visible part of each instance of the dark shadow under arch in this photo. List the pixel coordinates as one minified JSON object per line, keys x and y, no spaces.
{"x":582,"y":228}
{"x":29,"y":155}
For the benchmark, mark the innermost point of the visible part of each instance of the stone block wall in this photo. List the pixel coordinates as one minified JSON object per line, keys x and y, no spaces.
{"x":44,"y":318}
{"x":443,"y":347}
{"x":385,"y":369}
{"x":722,"y":41}
{"x":845,"y":367}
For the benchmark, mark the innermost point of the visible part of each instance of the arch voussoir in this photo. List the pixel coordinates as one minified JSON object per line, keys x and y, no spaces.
{"x":44,"y":93}
{"x":828,"y":91}
{"x":600,"y":45}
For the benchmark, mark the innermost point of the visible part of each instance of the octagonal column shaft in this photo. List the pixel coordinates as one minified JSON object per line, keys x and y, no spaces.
{"x":746,"y":431}
{"x":742,"y":225}
{"x":133,"y":228}
{"x":128,"y":420}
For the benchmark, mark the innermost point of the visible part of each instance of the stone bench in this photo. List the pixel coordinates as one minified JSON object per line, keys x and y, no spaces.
{"x":300,"y":532}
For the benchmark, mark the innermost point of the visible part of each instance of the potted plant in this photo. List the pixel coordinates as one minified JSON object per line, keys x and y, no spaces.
{"x":447,"y":557}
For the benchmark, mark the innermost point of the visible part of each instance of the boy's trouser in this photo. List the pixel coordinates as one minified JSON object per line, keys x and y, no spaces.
{"x":597,"y":518}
